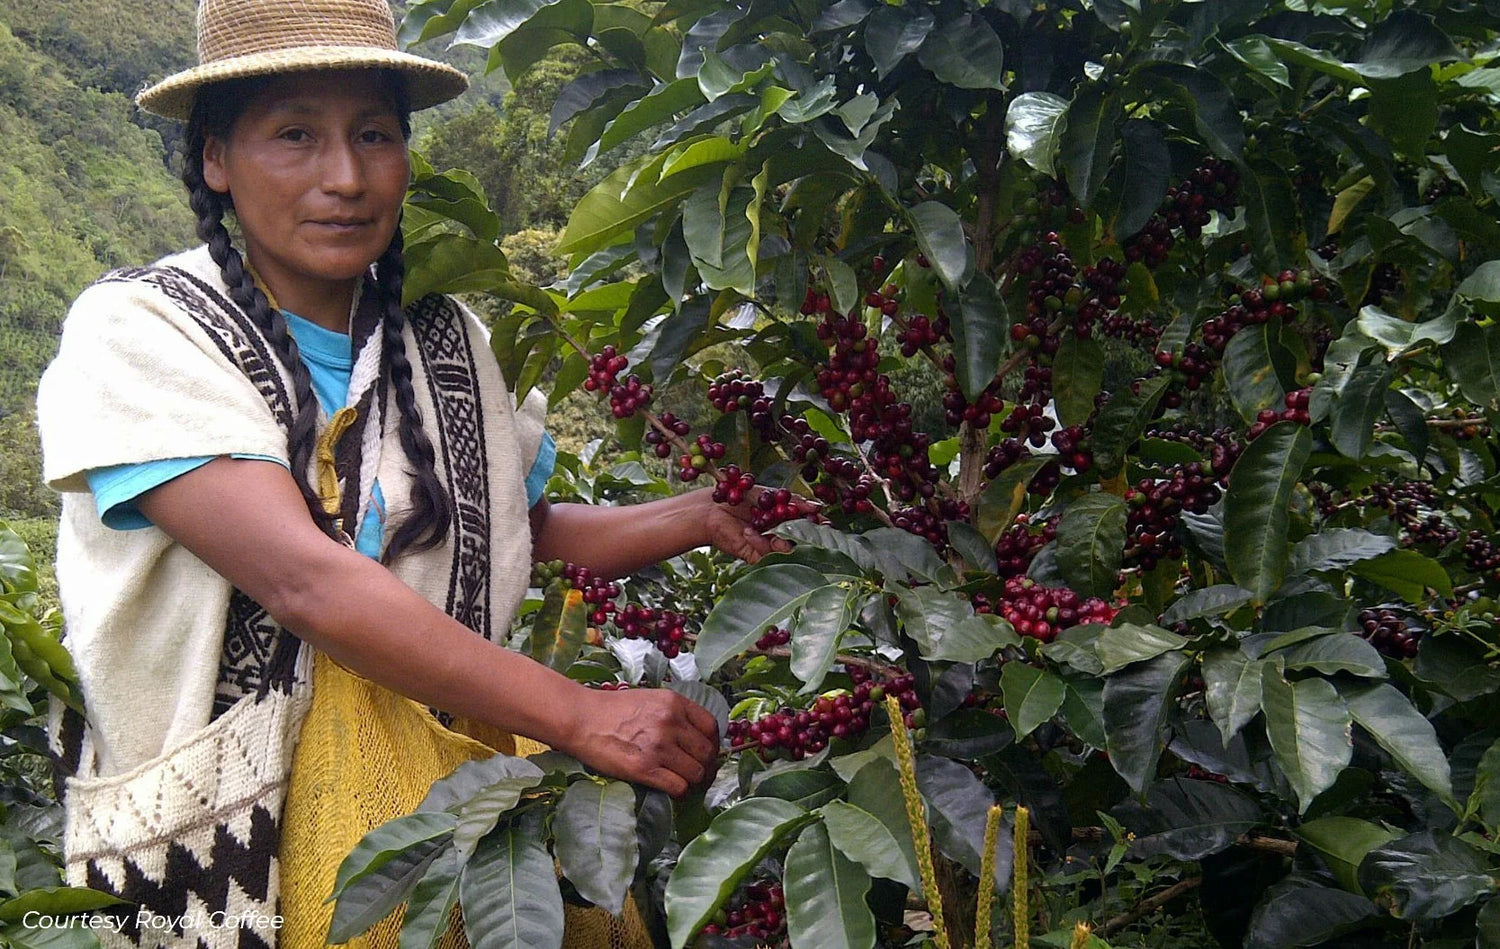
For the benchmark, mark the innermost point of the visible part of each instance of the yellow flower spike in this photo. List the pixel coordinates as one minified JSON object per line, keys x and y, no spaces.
{"x":916,"y":816}
{"x":1081,"y":936}
{"x":1020,"y":883}
{"x":987,"y":878}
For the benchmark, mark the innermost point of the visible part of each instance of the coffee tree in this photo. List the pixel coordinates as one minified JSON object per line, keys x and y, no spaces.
{"x":1177,"y":578}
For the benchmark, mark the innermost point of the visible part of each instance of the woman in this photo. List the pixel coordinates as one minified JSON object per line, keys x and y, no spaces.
{"x":259,"y":449}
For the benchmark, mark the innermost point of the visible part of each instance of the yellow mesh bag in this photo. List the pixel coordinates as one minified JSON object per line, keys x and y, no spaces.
{"x":367,"y":755}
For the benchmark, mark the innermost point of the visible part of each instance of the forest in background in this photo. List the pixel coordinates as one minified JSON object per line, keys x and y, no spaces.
{"x":88,"y":183}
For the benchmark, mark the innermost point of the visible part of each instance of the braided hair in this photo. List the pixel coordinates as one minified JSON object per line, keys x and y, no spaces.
{"x":215,"y":112}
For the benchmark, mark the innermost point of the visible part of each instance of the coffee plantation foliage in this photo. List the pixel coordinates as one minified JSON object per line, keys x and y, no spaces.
{"x":1177,"y":579}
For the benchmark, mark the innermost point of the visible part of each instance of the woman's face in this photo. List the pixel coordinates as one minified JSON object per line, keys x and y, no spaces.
{"x":317,"y":167}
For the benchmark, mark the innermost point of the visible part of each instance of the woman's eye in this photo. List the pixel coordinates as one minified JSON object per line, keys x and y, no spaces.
{"x":295,"y":135}
{"x":373,"y":136}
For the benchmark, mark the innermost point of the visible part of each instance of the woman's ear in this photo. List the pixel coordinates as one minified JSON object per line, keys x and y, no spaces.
{"x":214,"y":173}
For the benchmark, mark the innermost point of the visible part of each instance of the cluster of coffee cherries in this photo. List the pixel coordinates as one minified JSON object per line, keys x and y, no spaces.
{"x":691,"y":465}
{"x":1156,"y":507}
{"x":1221,"y":447}
{"x":1275,"y":297}
{"x":598,"y":593}
{"x":773,"y":636}
{"x":1481,"y":556}
{"x":659,"y":442}
{"x":857,"y":485}
{"x":1042,"y":612}
{"x":807,"y":446}
{"x":1019,"y":545}
{"x":774,"y":507}
{"x":851,"y":383}
{"x":1474,"y":424}
{"x":629,"y":397}
{"x":1072,"y":446}
{"x":1296,"y":403}
{"x":1107,"y":281}
{"x":1389,"y":632}
{"x":921,"y":333}
{"x":797,"y":733}
{"x":1186,"y":207}
{"x":757,"y":912}
{"x":734,"y":485}
{"x":957,"y":409}
{"x":1200,"y":773}
{"x":666,"y":628}
{"x":603,"y":368}
{"x":734,"y":391}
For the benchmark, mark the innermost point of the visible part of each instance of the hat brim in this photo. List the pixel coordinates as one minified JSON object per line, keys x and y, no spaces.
{"x":428,"y":82}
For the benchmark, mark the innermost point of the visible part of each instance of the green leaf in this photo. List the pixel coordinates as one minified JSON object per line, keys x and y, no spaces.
{"x":509,"y":893}
{"x":717,"y":78}
{"x":1137,"y":701}
{"x":1083,"y":710}
{"x":1472,"y":361}
{"x":843,"y":284}
{"x":861,"y":837}
{"x":17,"y":567}
{"x":1402,"y":42}
{"x":940,"y":236}
{"x":1426,"y":876}
{"x":1409,"y":574}
{"x":1199,"y":818}
{"x":1358,"y":406}
{"x":1087,"y":145}
{"x":978,"y":334}
{"x":1077,"y":377}
{"x":1091,"y":543}
{"x":659,"y":106}
{"x":1483,"y":284}
{"x":492,"y":21}
{"x":958,"y":805}
{"x":369,"y":899}
{"x":894,"y":33}
{"x":473,"y":778}
{"x":1296,"y":914}
{"x":1335,"y":652}
{"x":589,"y":90}
{"x":816,"y":632}
{"x":1342,"y":842}
{"x":1270,"y":214}
{"x":765,"y":596}
{"x":1405,"y":734}
{"x":965,"y":52}
{"x":1231,"y":689}
{"x":1335,"y":548}
{"x":973,"y":546}
{"x":1300,"y":55}
{"x":430,"y":905}
{"x":558,"y":631}
{"x":56,"y":901}
{"x":629,"y":196}
{"x":1032,"y":696}
{"x":825,"y":895}
{"x":1310,"y":731}
{"x":1255,"y":52}
{"x":1208,"y":601}
{"x":1144,"y":182}
{"x":1033,"y":125}
{"x":713,"y":863}
{"x":1346,"y":201}
{"x":1005,"y":494}
{"x":1123,"y":419}
{"x":1255,"y":362}
{"x":1257,"y":507}
{"x":594,"y":827}
{"x":875,"y":788}
{"x":1484,"y":800}
{"x":1130,"y":643}
{"x":387,"y":842}
{"x":1404,"y":111}
{"x":1211,"y":104}
{"x":945,"y":626}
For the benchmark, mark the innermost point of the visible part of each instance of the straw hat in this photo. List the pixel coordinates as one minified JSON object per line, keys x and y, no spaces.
{"x":240,"y":38}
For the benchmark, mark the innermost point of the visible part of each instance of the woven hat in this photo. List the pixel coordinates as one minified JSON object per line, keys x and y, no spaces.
{"x":241,"y":38}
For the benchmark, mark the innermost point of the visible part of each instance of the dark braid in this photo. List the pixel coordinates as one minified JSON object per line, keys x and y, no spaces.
{"x":431,"y":514}
{"x":214,"y":115}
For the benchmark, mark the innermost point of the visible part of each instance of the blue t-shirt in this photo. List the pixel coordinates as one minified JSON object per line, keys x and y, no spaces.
{"x":329,"y":361}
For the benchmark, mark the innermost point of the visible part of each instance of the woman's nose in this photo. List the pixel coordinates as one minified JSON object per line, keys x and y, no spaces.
{"x":342,"y":172}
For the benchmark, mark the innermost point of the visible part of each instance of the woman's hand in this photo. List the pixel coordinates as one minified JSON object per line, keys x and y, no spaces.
{"x":729,"y":529}
{"x":649,"y":736}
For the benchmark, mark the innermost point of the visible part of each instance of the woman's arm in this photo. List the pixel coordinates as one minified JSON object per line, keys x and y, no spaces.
{"x":247,"y":520}
{"x":615,"y":541}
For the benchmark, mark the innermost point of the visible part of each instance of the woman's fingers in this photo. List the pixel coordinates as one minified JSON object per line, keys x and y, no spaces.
{"x":652,"y":736}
